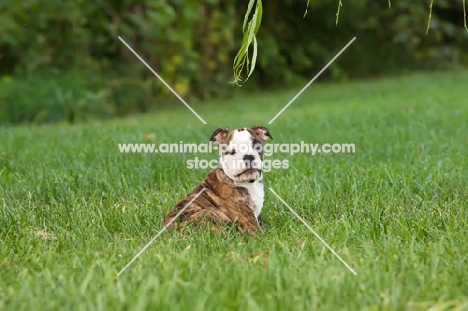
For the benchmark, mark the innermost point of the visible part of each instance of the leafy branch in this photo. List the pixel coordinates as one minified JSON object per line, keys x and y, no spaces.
{"x":251,"y":27}
{"x":250,"y":30}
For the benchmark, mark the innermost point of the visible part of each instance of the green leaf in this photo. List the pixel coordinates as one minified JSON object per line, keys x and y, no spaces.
{"x":258,"y":16}
{"x":464,"y":16}
{"x":307,"y":6}
{"x":246,"y":17}
{"x":254,"y":57}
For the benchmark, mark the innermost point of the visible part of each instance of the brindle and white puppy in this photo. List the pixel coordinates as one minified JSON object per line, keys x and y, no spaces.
{"x":234,"y":191}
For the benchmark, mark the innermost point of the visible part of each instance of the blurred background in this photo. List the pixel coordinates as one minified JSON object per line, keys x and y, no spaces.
{"x":62,"y":60}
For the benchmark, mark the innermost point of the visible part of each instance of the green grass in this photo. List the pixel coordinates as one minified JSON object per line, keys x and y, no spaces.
{"x":74,"y":211}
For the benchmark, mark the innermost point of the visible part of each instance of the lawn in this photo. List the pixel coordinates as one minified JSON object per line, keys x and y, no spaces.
{"x":74,"y":211}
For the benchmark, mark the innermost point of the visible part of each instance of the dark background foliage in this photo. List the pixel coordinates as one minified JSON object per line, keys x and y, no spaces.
{"x":62,"y":60}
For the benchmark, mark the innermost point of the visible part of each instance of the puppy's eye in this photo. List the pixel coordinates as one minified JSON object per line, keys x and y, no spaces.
{"x":258,"y":147}
{"x":232,"y":152}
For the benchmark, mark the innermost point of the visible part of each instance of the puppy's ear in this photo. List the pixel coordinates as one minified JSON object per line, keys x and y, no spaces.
{"x":219,"y":135}
{"x":260,"y":132}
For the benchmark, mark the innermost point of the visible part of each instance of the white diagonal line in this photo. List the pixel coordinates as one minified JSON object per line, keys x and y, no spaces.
{"x":311,"y":81}
{"x":167,"y":85}
{"x":160,"y":232}
{"x":312,"y":230}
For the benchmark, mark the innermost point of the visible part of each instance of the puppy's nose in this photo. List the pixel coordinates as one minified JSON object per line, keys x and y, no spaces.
{"x":249,"y":158}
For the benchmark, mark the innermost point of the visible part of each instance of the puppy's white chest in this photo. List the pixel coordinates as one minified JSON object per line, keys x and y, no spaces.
{"x":257,"y":194}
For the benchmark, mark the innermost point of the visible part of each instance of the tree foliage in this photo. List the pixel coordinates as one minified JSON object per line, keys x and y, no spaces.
{"x":62,"y":60}
{"x":242,"y":58}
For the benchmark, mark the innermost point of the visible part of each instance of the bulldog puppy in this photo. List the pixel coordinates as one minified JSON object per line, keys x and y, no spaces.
{"x":233,"y":192}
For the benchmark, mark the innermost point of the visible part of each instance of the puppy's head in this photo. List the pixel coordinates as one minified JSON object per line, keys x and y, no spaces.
{"x":241,"y":151}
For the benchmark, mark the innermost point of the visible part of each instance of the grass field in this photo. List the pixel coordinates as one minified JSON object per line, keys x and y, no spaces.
{"x":74,"y":211}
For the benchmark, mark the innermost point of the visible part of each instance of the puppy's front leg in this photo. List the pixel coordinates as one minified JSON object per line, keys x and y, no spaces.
{"x":260,"y":222}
